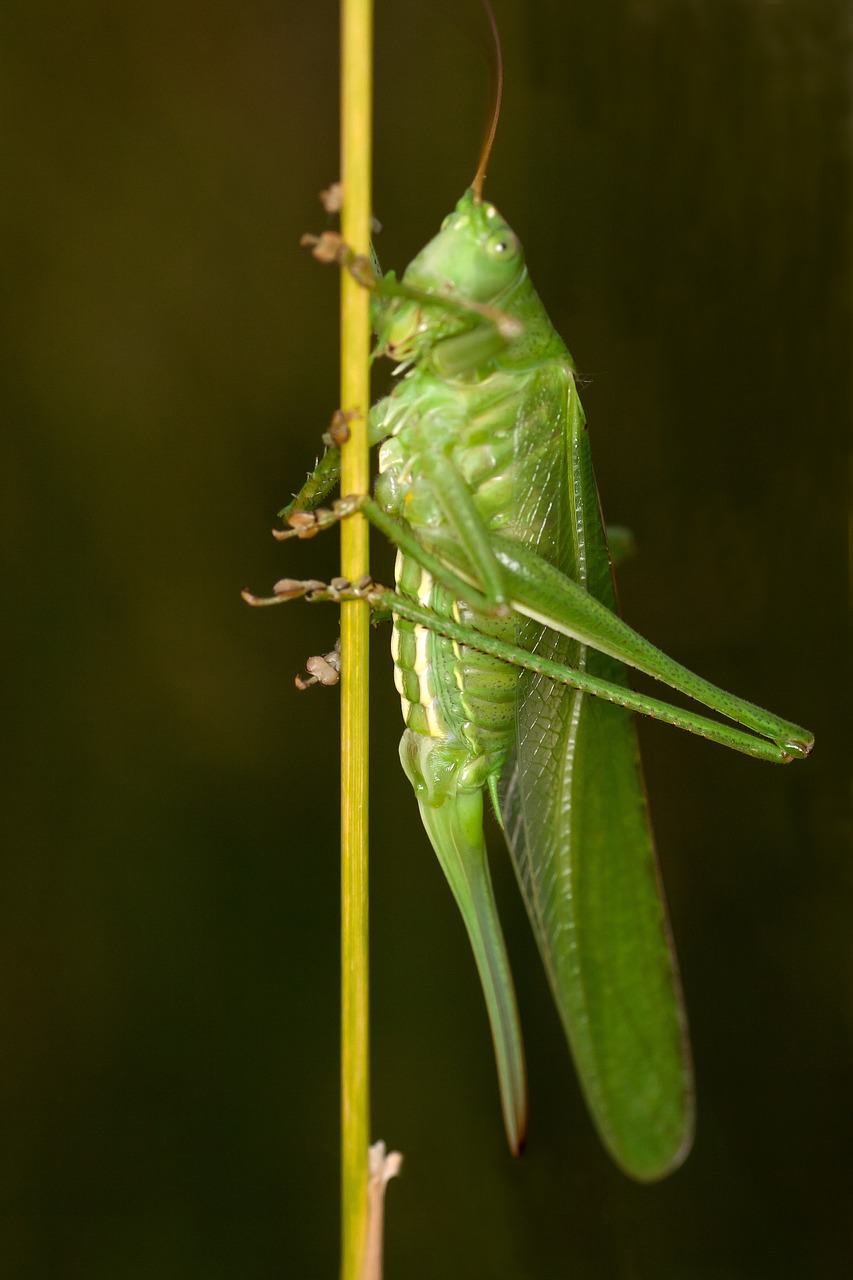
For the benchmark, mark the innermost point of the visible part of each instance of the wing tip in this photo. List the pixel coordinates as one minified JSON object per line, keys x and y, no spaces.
{"x":642,"y":1168}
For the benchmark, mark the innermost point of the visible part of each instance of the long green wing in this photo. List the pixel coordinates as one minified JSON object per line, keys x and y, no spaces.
{"x":577,"y":824}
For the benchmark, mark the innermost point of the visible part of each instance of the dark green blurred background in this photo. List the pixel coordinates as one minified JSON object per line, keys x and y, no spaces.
{"x":680,"y":175}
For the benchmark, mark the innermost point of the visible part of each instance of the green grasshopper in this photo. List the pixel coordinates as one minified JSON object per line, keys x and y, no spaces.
{"x":510,"y":660}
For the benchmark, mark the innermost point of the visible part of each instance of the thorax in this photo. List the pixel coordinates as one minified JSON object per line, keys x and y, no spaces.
{"x":476,"y":423}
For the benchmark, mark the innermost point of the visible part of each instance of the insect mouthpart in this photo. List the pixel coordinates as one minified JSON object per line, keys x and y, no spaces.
{"x":403,"y":328}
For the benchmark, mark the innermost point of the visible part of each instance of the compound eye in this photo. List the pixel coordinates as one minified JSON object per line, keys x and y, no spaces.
{"x":503,"y":244}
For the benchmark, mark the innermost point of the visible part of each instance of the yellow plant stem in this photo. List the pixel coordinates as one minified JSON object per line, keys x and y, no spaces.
{"x":356,"y":106}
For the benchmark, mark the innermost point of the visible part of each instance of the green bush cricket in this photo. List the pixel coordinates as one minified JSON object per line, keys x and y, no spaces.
{"x":511,"y":665}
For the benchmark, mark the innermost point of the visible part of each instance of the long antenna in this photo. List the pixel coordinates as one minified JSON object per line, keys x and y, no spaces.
{"x":480,"y":175}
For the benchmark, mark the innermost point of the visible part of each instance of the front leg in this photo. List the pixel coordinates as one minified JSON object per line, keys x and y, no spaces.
{"x":330,"y":247}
